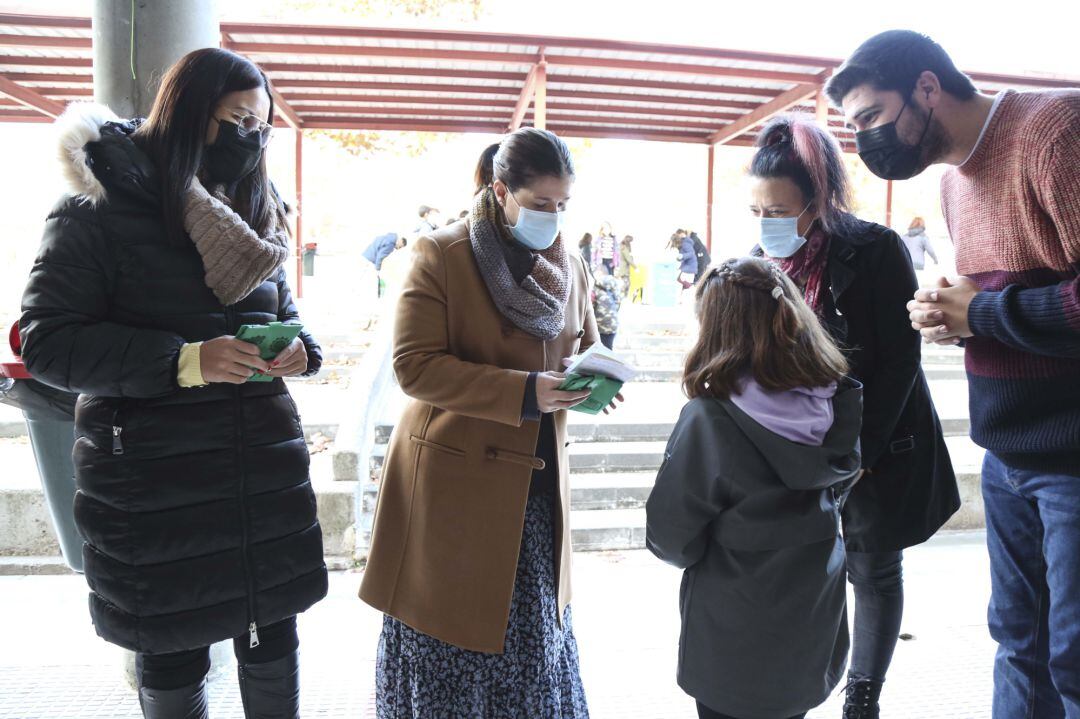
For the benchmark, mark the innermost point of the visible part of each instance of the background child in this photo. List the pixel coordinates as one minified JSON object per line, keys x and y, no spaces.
{"x":607,"y":298}
{"x":747,"y":500}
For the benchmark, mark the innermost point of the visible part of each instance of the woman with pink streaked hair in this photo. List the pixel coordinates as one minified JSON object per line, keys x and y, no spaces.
{"x":857,"y":276}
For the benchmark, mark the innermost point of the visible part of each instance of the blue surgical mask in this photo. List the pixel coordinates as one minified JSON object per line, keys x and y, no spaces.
{"x":780,"y":236}
{"x":537,"y":230}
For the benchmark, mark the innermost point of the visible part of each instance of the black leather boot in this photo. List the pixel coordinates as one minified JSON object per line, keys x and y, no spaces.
{"x":185,"y":703}
{"x":271,"y":690}
{"x":862,"y":699}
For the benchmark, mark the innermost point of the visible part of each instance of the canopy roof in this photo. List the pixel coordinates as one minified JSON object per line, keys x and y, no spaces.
{"x":373,"y":78}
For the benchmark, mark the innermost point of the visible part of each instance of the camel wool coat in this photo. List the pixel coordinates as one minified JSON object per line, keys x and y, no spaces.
{"x":451,"y":507}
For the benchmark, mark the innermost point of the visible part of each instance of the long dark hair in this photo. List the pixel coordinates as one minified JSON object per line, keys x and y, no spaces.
{"x":795,"y":147}
{"x":523,"y":156}
{"x":174,"y":136}
{"x":755,"y":322}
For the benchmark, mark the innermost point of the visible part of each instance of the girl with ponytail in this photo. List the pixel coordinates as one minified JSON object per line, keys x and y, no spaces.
{"x":748,"y":499}
{"x":857,"y":277}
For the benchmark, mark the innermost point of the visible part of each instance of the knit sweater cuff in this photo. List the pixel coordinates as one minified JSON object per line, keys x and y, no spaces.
{"x":985,"y":313}
{"x":190,"y":368}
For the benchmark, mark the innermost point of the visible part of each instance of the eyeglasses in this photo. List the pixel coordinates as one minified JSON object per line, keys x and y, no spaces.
{"x":249,"y":124}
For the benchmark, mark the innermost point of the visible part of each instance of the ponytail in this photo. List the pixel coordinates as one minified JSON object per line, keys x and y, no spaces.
{"x":485,"y":168}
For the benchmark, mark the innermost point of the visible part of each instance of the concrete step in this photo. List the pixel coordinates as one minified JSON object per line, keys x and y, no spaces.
{"x":610,"y":491}
{"x":624,"y":528}
{"x":26,"y":527}
{"x":651,"y":409}
{"x":657,"y":342}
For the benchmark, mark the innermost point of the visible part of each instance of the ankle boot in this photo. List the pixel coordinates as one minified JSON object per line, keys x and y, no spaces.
{"x":862,"y":698}
{"x":271,"y":690}
{"x":185,"y":703}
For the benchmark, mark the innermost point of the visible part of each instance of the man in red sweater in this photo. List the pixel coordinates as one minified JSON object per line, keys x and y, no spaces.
{"x":1011,"y":200}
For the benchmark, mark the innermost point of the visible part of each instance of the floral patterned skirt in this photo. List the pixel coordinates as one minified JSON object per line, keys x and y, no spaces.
{"x":537,"y":676}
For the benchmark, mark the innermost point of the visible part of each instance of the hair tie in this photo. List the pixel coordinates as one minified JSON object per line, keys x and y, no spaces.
{"x":777,"y":293}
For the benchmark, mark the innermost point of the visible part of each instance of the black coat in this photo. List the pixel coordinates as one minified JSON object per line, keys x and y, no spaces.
{"x":910,"y":491}
{"x":196,"y":506}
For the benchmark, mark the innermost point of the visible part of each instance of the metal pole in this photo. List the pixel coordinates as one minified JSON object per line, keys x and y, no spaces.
{"x":136,"y":41}
{"x":709,"y":200}
{"x":540,"y":98}
{"x":821,"y":108}
{"x":299,"y":214}
{"x":888,"y":203}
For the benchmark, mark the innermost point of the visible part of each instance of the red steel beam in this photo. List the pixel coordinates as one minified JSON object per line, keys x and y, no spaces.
{"x":1024,"y":80}
{"x":553,"y":78}
{"x":59,"y":91}
{"x":681,"y":68}
{"x":12,"y":116}
{"x":628,"y":110}
{"x":423,"y":114}
{"x":888,"y":202}
{"x":30,"y":98}
{"x":267,"y":48}
{"x":287,"y":112}
{"x":525,"y":97}
{"x":335,"y":123}
{"x":46,"y":41}
{"x":540,"y":107}
{"x":396,"y":86}
{"x":627,"y":134}
{"x":367,"y":101}
{"x":70,"y":23}
{"x":528,"y":40}
{"x":407,"y":112}
{"x":50,"y":77}
{"x":26,"y":61}
{"x":709,"y":199}
{"x":821,"y":108}
{"x":657,"y":99}
{"x":751,"y":120}
{"x":398,"y":99}
{"x":357,"y":69}
{"x":272,"y":48}
{"x":673,"y":125}
{"x":281,"y":82}
{"x":702,"y":87}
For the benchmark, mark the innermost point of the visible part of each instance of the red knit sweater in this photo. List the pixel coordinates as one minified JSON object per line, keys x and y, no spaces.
{"x":1013,"y":211}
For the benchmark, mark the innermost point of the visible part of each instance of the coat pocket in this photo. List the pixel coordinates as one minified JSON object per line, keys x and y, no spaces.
{"x":505,"y":455}
{"x":436,"y":446}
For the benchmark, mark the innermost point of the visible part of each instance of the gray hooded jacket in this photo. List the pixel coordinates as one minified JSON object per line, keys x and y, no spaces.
{"x":753,"y":518}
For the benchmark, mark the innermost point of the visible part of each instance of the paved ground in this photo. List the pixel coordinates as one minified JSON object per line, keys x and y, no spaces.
{"x":53,"y":667}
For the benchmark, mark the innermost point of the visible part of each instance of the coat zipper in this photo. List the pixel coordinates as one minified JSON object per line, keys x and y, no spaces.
{"x":117,"y":432}
{"x":253,"y":629}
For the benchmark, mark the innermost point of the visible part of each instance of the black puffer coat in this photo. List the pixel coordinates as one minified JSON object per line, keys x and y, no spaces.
{"x":196,"y":506}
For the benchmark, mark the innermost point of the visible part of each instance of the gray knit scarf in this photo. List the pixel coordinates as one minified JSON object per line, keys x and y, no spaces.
{"x":538,"y":303}
{"x":235,"y":258}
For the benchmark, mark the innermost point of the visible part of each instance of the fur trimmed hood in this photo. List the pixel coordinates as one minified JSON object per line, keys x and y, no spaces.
{"x":79,"y":125}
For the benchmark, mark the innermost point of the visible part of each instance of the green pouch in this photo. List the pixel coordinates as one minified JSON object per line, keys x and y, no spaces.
{"x":603,"y":390}
{"x":271,"y":339}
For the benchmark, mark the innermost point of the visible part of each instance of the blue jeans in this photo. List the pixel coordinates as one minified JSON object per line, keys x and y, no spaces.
{"x":1033,"y":535}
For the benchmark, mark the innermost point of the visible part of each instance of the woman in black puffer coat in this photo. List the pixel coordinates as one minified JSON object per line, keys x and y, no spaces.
{"x":193,"y":489}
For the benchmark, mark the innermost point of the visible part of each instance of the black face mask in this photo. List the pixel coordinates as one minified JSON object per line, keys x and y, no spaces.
{"x":886,"y":155}
{"x":233,"y":156}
